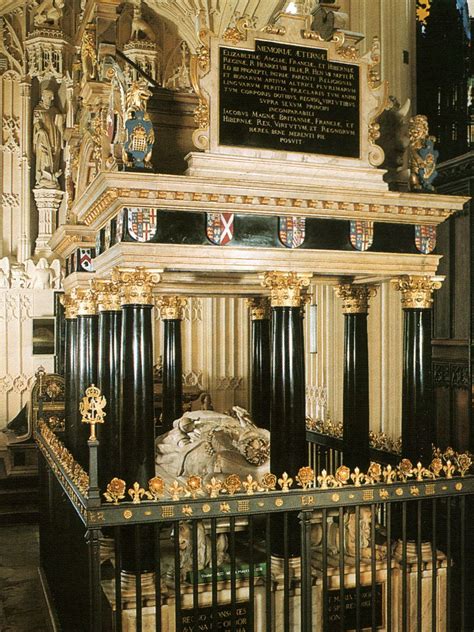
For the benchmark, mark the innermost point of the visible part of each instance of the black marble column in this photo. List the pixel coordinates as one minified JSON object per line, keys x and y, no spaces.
{"x":356,"y":375}
{"x":87,"y":323}
{"x":417,"y":393}
{"x":288,"y":451}
{"x":171,"y":310}
{"x":136,"y":461}
{"x":108,"y":378}
{"x":260,"y":362}
{"x":71,"y":410}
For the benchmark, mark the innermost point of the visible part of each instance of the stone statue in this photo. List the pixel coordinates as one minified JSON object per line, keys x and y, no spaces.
{"x":48,"y":126}
{"x":204,"y":548}
{"x":326,"y":21}
{"x":394,"y":138}
{"x":207,"y":443}
{"x":140,"y":25}
{"x":48,"y":13}
{"x":423,"y":155}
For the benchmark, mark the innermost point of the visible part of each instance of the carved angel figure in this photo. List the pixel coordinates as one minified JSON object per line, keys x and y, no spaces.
{"x":48,"y":125}
{"x":48,"y":13}
{"x":423,"y":155}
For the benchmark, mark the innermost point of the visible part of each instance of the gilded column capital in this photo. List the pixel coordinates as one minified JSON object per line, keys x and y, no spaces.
{"x":136,"y":285}
{"x":171,"y":307}
{"x":417,"y":291}
{"x":259,"y":307}
{"x":86,"y":301}
{"x":108,"y":295}
{"x":286,"y":288}
{"x":70,"y":305}
{"x":355,"y":298}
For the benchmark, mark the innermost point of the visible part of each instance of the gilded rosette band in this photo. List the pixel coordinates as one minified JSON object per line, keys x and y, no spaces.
{"x":355,"y":298}
{"x":417,"y":291}
{"x":135,"y":286}
{"x":286,"y":288}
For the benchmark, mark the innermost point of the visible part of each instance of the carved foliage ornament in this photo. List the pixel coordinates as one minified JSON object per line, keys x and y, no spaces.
{"x":355,"y":298}
{"x":171,"y":307}
{"x":86,"y":301}
{"x":70,"y":305}
{"x":108,"y":295}
{"x":135,"y":286}
{"x":417,"y":291}
{"x":286,"y":288}
{"x":259,"y":308}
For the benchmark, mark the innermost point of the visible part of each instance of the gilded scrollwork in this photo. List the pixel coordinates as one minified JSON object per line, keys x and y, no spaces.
{"x":135,"y":286}
{"x":355,"y":298}
{"x":417,"y":291}
{"x":286,"y":288}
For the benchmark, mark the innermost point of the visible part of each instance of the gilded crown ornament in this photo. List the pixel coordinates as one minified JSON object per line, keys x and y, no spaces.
{"x":70,"y":305}
{"x":259,"y":308}
{"x":86,"y":301}
{"x":286,"y":288}
{"x":171,"y":307}
{"x":135,"y":286}
{"x":355,"y":298}
{"x":108,"y":295}
{"x":417,"y":291}
{"x":92,"y":409}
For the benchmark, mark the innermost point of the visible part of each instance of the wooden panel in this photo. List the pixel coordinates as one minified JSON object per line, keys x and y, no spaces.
{"x":442,"y":309}
{"x":461,"y":276}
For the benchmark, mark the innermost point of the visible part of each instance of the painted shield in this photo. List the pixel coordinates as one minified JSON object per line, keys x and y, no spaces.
{"x":425,"y":238}
{"x":362,"y":234}
{"x":98,"y":242}
{"x":142,"y":223}
{"x":220,"y":228}
{"x":427,"y":171}
{"x":119,"y":226}
{"x":85,"y":260}
{"x":107,"y":236}
{"x":292,"y":231}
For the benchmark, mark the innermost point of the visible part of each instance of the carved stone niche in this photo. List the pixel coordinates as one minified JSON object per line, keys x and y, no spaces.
{"x":49,"y":54}
{"x":146,"y":55}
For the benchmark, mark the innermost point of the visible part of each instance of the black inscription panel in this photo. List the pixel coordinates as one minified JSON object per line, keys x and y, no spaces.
{"x":289,"y":98}
{"x":350,"y":605}
{"x":203,"y":621}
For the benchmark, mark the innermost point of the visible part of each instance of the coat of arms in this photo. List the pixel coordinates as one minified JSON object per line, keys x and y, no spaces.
{"x":292,"y":231}
{"x":142,"y":223}
{"x":220,"y":228}
{"x":362,"y":234}
{"x":425,"y":238}
{"x":85,"y":260}
{"x":139,"y":133}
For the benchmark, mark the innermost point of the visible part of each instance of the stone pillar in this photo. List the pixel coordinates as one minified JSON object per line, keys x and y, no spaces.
{"x":288,"y":451}
{"x":108,"y":376}
{"x":71,"y":410}
{"x":260,"y":361}
{"x":48,"y":202}
{"x":355,"y":306}
{"x":136,"y":462}
{"x":87,"y":321}
{"x":171,"y":311}
{"x":24,"y":238}
{"x":417,"y":403}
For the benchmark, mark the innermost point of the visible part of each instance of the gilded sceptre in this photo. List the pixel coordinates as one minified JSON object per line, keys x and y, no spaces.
{"x":92,"y":411}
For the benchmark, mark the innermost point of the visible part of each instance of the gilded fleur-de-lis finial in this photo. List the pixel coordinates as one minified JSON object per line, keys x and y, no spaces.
{"x":92,"y":409}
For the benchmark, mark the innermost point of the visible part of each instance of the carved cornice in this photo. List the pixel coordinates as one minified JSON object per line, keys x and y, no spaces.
{"x":259,"y":308}
{"x":108,"y":295}
{"x":286,"y":288}
{"x":86,"y":301}
{"x":135,"y":286}
{"x":171,"y":307}
{"x":70,"y":305}
{"x":355,"y":298}
{"x":417,"y":291}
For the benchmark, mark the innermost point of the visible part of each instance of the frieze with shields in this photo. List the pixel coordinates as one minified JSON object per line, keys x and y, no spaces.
{"x":86,"y":259}
{"x":362,"y":234}
{"x":220,"y":228}
{"x":425,"y":238}
{"x":292,"y":231}
{"x":142,"y":223}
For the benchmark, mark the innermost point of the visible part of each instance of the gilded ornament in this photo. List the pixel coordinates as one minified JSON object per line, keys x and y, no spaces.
{"x":115,"y":491}
{"x":384,"y":494}
{"x":286,"y":288}
{"x":136,"y":493}
{"x":449,"y":469}
{"x":269,"y":482}
{"x":176,"y":491}
{"x":325,"y":480}
{"x":374,"y":131}
{"x":250,"y":486}
{"x":374,"y":473}
{"x":135,"y":286}
{"x":259,"y":308}
{"x":355,"y":298}
{"x":335,"y":498}
{"x":187,"y":510}
{"x":357,"y":477}
{"x":92,"y":409}
{"x":224,"y":507}
{"x":420,"y":472}
{"x":458,"y":487}
{"x":232,"y":484}
{"x":214,"y":487}
{"x":417,"y":291}
{"x":342,"y":475}
{"x":85,"y":300}
{"x":171,"y":307}
{"x":69,"y":303}
{"x":88,"y":53}
{"x":206,"y":508}
{"x":464,"y":462}
{"x":423,"y":10}
{"x":201,"y":114}
{"x":285,"y":482}
{"x":436,"y":466}
{"x":279,"y":502}
{"x":156,"y":487}
{"x":194,"y":486}
{"x":422,"y":155}
{"x":405,"y":469}
{"x":399,"y":491}
{"x":414,"y":490}
{"x":127,"y":514}
{"x":305,"y":477}
{"x":107,"y":295}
